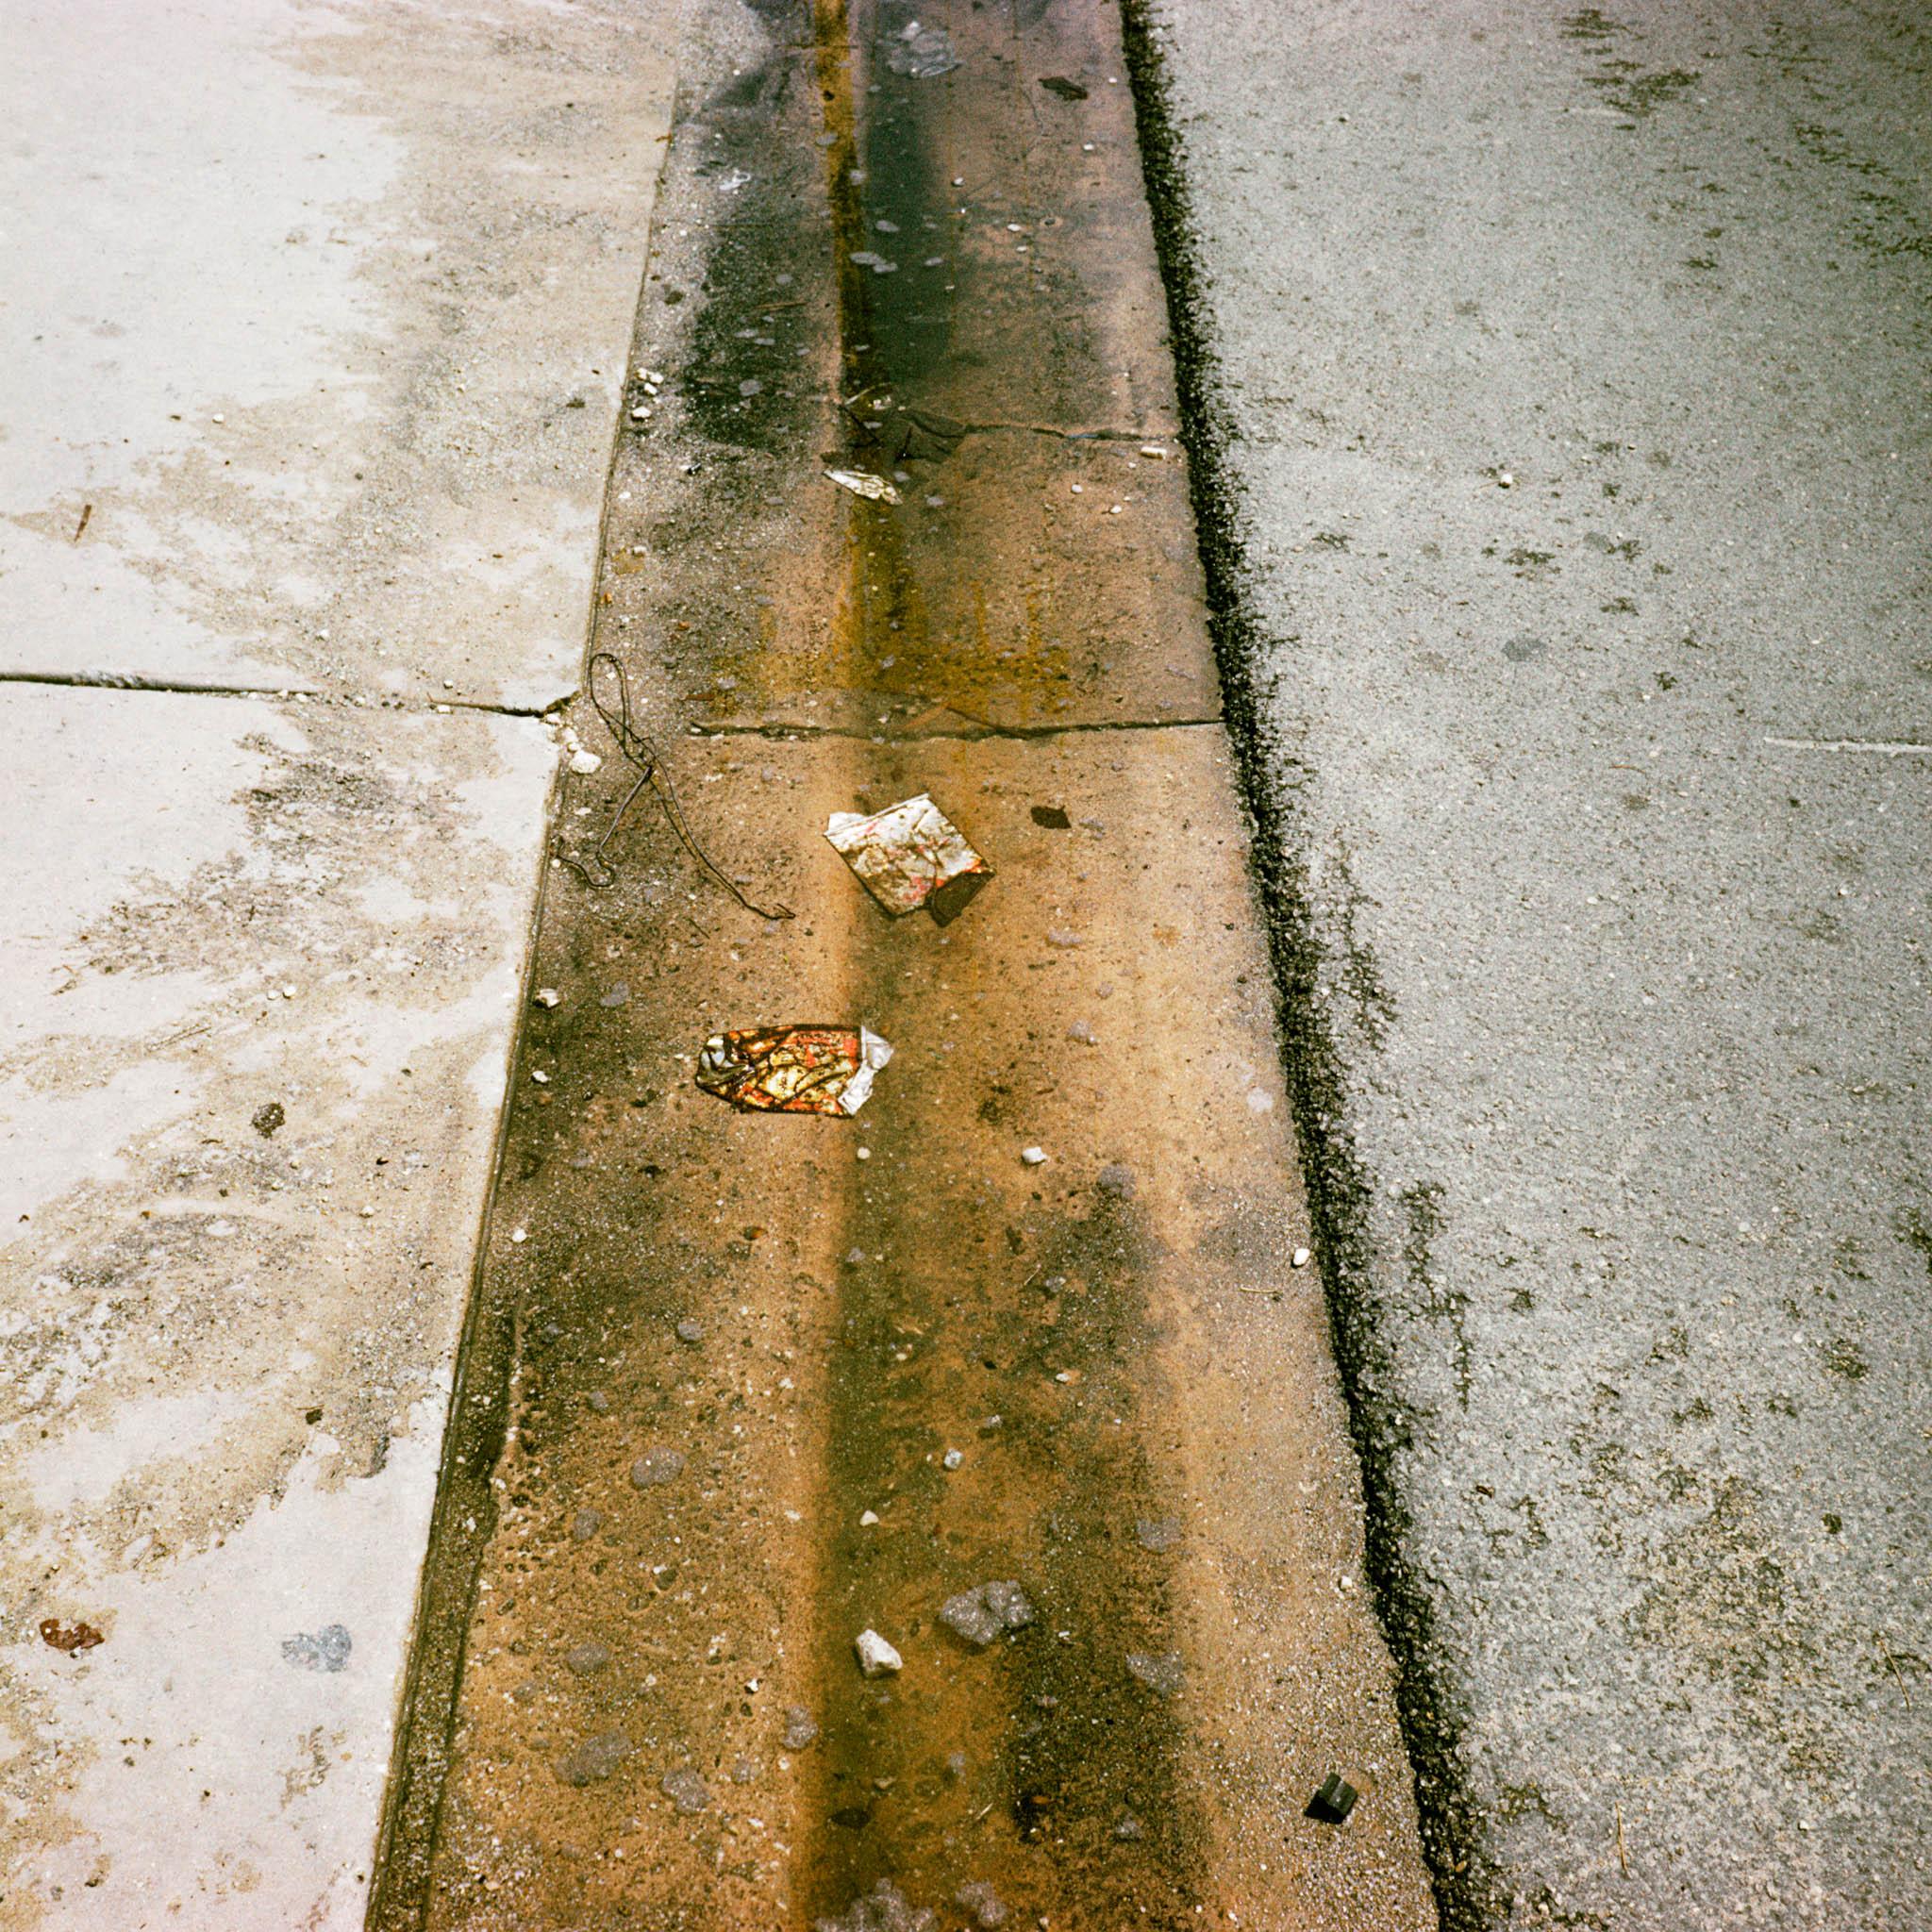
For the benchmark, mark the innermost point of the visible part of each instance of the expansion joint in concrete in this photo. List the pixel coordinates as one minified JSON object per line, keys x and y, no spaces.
{"x":970,"y":735}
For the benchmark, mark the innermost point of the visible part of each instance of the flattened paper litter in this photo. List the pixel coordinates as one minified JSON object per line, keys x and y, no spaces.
{"x":908,"y":855}
{"x":864,"y":483}
{"x":793,"y":1069}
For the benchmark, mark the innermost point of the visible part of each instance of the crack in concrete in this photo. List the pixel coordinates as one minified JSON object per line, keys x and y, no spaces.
{"x":1885,"y":747}
{"x":966,"y":430}
{"x":124,"y":680}
{"x":976,"y":731}
{"x":182,"y":687}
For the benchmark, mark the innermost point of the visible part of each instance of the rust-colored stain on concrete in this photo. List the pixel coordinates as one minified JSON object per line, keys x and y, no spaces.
{"x":739,"y":1386}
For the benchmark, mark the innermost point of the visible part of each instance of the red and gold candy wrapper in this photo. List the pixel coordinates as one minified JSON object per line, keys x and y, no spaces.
{"x":793,"y":1069}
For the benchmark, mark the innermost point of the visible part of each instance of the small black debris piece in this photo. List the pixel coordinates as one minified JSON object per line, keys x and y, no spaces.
{"x":1066,"y":90}
{"x":1053,"y":817}
{"x":1332,"y":1804}
{"x":267,"y":1119}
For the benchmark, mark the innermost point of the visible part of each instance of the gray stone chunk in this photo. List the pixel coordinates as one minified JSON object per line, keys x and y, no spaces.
{"x":990,"y":1611}
{"x":686,"y":1790}
{"x":983,"y":1902}
{"x":326,"y":1650}
{"x":1162,"y":1674}
{"x":884,"y":1908}
{"x":594,"y":1759}
{"x":656,"y":1466}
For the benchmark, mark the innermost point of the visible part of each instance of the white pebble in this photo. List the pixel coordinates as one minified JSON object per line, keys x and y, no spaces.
{"x":1033,"y":1156}
{"x":876,"y":1657}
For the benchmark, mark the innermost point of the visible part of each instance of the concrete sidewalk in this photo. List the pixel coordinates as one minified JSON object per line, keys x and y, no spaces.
{"x":1559,"y":388}
{"x":314,"y":340}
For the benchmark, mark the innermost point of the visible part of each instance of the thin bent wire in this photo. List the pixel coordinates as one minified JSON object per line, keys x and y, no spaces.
{"x":596,"y":871}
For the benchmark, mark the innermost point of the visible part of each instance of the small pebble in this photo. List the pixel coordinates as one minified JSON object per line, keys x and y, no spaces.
{"x":586,"y":1523}
{"x":690,"y":1330}
{"x":599,"y":1401}
{"x":1333,"y":1801}
{"x":1116,"y":1180}
{"x":537,"y":1074}
{"x":953,"y":1458}
{"x":988,"y":1612}
{"x":868,"y":1519}
{"x":656,"y":1467}
{"x":1059,"y":936}
{"x":991,"y":1424}
{"x":1033,"y":1156}
{"x":1083,"y":1032}
{"x":1300,"y":1259}
{"x":587,"y":1660}
{"x":1162,"y":1674}
{"x":800,"y":1731}
{"x":876,"y":1657}
{"x":983,"y":1902}
{"x":548,"y":996}
{"x":594,"y":1759}
{"x":616,"y":996}
{"x":686,"y":1790}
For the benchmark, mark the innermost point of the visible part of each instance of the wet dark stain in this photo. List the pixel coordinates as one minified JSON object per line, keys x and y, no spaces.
{"x":1422,"y":1209}
{"x":1015,"y":1764}
{"x":1047,"y":1729}
{"x":1916,"y":1232}
{"x":745,"y":383}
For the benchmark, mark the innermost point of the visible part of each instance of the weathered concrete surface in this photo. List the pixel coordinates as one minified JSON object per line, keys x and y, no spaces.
{"x":302,"y":320}
{"x":298,"y":303}
{"x":1601,"y":803}
{"x":709,"y":1345}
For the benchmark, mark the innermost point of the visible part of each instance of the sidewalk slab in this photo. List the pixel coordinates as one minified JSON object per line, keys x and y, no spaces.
{"x":320,"y":332}
{"x":263,"y":978}
{"x":311,"y":363}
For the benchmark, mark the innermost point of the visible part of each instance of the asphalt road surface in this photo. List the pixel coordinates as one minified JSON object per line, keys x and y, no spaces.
{"x":1558,"y":381}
